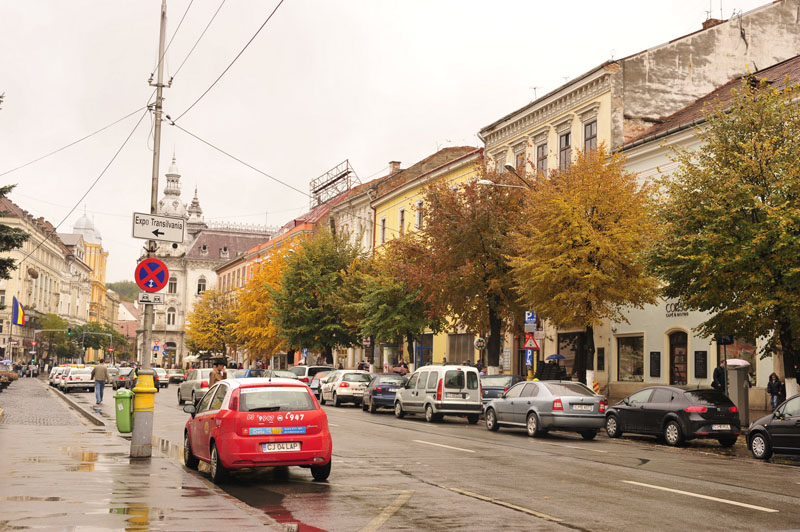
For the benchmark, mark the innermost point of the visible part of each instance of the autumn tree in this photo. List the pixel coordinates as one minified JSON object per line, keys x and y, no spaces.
{"x":729,"y":222}
{"x":10,"y":238}
{"x":579,"y":257}
{"x":306,"y":309}
{"x":210,"y":324}
{"x":254,"y":327}
{"x":458,"y":265}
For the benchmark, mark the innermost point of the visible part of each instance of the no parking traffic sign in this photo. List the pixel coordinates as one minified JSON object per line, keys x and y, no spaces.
{"x":151,"y":275}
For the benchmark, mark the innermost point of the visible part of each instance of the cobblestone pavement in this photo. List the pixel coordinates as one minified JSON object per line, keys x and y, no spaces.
{"x":27,"y":402}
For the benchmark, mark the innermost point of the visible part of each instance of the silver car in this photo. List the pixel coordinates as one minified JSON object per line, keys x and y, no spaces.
{"x":195,"y":386}
{"x":544,"y":405}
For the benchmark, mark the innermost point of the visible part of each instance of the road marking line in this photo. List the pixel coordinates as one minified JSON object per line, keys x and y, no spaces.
{"x":388,"y":512}
{"x":507,"y":505}
{"x":332,"y":425}
{"x":569,"y":446}
{"x":700,"y":496}
{"x":443,"y":445}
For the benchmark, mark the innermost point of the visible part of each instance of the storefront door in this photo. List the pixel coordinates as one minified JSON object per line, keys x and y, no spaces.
{"x":678,"y":366}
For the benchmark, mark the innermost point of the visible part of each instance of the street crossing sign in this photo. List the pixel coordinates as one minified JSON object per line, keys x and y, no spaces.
{"x":155,"y":349}
{"x":151,"y":275}
{"x":157,"y":227}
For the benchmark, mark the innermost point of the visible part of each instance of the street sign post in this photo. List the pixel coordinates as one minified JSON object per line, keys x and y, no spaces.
{"x":157,"y":227}
{"x":530,"y":317}
{"x":305,"y":352}
{"x":153,"y":299}
{"x":151,"y":275}
{"x":366,"y":342}
{"x":480,"y":344}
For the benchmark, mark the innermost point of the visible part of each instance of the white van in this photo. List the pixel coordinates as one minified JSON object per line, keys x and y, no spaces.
{"x":441,"y":390}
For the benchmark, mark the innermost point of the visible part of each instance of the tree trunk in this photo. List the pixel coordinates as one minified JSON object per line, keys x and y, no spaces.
{"x":410,"y":348}
{"x":789,"y":357}
{"x":493,"y":344}
{"x":328,"y":354}
{"x":582,"y":356}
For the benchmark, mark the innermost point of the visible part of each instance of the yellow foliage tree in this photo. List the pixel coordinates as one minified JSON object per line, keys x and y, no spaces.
{"x":210,"y":324}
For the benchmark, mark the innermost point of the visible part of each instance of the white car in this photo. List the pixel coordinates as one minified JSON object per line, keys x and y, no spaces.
{"x":54,"y":375}
{"x":345,"y":386}
{"x":78,"y":379}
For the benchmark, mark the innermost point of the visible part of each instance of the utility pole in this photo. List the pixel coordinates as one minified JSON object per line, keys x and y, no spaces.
{"x":144,"y":401}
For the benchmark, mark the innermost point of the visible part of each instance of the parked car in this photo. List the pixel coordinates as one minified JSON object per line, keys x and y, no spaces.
{"x":256,"y":423}
{"x":195,"y":385}
{"x":306,"y":373}
{"x":176,"y":375}
{"x":345,"y":386}
{"x":77,"y":379}
{"x":113,"y":371}
{"x":779,"y":432}
{"x":440,"y":390}
{"x":381,"y":390}
{"x":55,"y":375}
{"x":160,"y":378}
{"x":280,"y":373}
{"x":316,"y":383}
{"x":61,"y":376}
{"x":551,"y":405}
{"x":494,"y":386}
{"x":676,"y":414}
{"x":251,"y":372}
{"x":124,"y":379}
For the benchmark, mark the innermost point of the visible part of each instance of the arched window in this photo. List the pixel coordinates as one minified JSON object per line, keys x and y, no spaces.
{"x":171,"y":316}
{"x":201,"y":285}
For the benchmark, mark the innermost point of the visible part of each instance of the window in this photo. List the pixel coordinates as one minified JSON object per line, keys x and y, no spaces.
{"x":792,"y":407}
{"x":640,"y":397}
{"x":567,"y":388}
{"x":172,"y":287}
{"x":630,"y":354}
{"x":402,"y":221}
{"x":531,"y":390}
{"x":171,"y":316}
{"x":412,"y":382}
{"x":515,"y":391}
{"x":601,"y":359}
{"x":541,"y":157}
{"x":433,"y":380}
{"x":201,"y":285}
{"x":423,"y":380}
{"x":275,"y":399}
{"x":660,"y":395}
{"x":206,"y":400}
{"x":383,"y":230}
{"x":590,"y":136}
{"x":519,"y":160}
{"x":460,"y":348}
{"x":454,"y":379}
{"x":216,"y":402}
{"x":472,"y":380}
{"x":420,"y":214}
{"x":564,"y":150}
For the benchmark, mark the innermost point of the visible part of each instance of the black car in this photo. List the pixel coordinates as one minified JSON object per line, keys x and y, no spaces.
{"x":777,"y":432}
{"x":676,"y":415}
{"x":381,"y":390}
{"x":495,"y":386}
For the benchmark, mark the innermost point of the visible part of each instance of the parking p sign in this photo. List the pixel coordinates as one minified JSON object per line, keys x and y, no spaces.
{"x":529,"y":357}
{"x":530,"y":317}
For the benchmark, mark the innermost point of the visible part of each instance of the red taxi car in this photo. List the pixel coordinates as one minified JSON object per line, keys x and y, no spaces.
{"x":258,"y":423}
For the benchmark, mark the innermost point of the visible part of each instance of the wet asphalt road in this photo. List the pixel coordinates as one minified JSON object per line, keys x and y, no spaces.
{"x":392,"y":474}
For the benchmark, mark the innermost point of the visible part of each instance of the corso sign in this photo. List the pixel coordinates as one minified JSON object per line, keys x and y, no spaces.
{"x":676,"y":309}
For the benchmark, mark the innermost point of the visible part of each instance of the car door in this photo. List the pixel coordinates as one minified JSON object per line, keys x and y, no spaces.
{"x":504,"y":405}
{"x":330,"y":383}
{"x":632,"y":412}
{"x":184,"y":387}
{"x":405,"y":393}
{"x":784,"y":428}
{"x":525,"y":402}
{"x":660,"y":403}
{"x":417,"y":401}
{"x":201,"y":426}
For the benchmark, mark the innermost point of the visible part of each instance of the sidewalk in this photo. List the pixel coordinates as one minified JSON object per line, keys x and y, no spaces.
{"x":62,"y":473}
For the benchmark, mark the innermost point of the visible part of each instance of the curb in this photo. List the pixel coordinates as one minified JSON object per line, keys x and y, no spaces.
{"x":75,"y":406}
{"x":2,"y":413}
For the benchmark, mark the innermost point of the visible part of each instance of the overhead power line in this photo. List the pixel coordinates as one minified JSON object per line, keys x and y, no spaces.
{"x":232,"y":62}
{"x":153,"y":73}
{"x":197,"y":41}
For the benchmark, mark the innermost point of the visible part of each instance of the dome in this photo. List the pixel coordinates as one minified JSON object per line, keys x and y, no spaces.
{"x":170,"y":204}
{"x":85,"y":227}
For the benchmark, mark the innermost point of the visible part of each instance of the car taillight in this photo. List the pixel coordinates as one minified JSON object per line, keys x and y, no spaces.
{"x":233,"y":404}
{"x":303,"y":379}
{"x":344,"y":385}
{"x":439,"y":390}
{"x":505,"y":389}
{"x":204,"y":384}
{"x":733,"y":409}
{"x":378,"y":389}
{"x":557,"y":405}
{"x":698,"y":409}
{"x":70,"y":378}
{"x":603,"y":405}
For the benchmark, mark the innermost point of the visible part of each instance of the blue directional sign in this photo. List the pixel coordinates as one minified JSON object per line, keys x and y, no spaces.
{"x":530,"y":317}
{"x":305,"y":352}
{"x":529,"y":357}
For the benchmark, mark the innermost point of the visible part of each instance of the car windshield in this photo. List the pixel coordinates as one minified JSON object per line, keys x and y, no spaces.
{"x":708,"y":398}
{"x":454,"y":379}
{"x":391,"y":379}
{"x":175,"y":372}
{"x":300,"y":371}
{"x":277,"y":373}
{"x":275,"y":399}
{"x":125,"y":371}
{"x":498,"y":381}
{"x":559,"y":389}
{"x":356,"y":377}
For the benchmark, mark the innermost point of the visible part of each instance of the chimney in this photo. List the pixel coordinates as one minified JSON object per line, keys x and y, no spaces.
{"x":394,"y":167}
{"x":711,"y":22}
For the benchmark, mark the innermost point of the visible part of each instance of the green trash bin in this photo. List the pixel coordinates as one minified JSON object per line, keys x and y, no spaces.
{"x":123,"y":407}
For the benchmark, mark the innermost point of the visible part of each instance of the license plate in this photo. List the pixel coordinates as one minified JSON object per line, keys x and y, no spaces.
{"x":720,"y":427}
{"x":280,"y":447}
{"x":582,"y":407}
{"x":450,"y":395}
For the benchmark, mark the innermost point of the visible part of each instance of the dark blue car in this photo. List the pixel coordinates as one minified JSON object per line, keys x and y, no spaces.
{"x":380,"y":391}
{"x":495,"y":386}
{"x":247,"y":373}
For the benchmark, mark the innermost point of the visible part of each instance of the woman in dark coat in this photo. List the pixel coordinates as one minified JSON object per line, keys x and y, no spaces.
{"x":775,"y":390}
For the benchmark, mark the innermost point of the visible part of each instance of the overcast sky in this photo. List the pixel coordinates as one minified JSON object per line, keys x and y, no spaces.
{"x":326,"y":80}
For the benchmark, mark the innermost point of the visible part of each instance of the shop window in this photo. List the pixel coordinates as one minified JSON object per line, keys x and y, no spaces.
{"x":630,"y":358}
{"x":569,"y":345}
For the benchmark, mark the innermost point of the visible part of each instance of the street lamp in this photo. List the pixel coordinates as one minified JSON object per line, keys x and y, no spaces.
{"x":489,"y":183}
{"x":511,"y":168}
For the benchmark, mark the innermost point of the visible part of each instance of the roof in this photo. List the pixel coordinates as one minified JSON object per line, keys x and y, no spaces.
{"x":216,"y":240}
{"x":426,"y":165}
{"x":70,"y":239}
{"x":693,"y":114}
{"x":11,"y":209}
{"x":130,"y":307}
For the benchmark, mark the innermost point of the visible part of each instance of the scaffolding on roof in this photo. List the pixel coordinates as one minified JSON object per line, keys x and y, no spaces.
{"x":338,"y":179}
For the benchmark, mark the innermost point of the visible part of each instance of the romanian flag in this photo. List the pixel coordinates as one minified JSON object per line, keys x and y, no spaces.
{"x":17,"y":313}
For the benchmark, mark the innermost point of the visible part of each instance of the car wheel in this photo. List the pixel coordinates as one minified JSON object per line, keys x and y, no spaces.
{"x":430,"y":417}
{"x":491,"y":420}
{"x":372,"y":408}
{"x":218,"y":471}
{"x":532,"y":425}
{"x":588,"y":434}
{"x":189,"y":458}
{"x":760,"y":446}
{"x":321,"y":398}
{"x":180,"y":397}
{"x":321,"y":473}
{"x":472,"y":419}
{"x":398,"y":410}
{"x":612,"y":427}
{"x":363,"y":406}
{"x":672,"y":433}
{"x":727,"y":441}
{"x":336,"y":401}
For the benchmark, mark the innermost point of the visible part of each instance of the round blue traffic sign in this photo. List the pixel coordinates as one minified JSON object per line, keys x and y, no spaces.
{"x":151,"y":275}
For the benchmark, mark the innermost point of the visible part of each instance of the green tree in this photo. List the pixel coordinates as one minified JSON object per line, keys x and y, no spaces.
{"x":306,"y":310}
{"x":579,"y":258}
{"x":49,"y":342}
{"x":126,"y":290}
{"x":729,"y":220}
{"x":459,"y":265}
{"x":10,"y":238}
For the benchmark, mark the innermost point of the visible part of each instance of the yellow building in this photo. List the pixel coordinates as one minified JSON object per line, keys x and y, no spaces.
{"x":96,"y":258}
{"x":398,"y":203}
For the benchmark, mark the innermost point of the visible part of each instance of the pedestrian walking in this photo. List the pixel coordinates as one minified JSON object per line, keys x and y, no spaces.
{"x":718,"y":382}
{"x":100,"y":376}
{"x":217,"y":374}
{"x":775,"y":390}
{"x":340,"y":366}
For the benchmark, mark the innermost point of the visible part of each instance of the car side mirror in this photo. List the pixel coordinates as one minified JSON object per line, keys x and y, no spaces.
{"x":190,"y":409}
{"x":777,"y":415}
{"x":626,"y":401}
